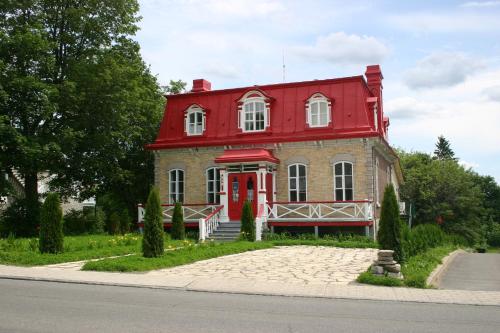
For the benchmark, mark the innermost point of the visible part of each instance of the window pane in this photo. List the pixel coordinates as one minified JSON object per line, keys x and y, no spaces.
{"x":173,"y":175}
{"x":248,"y":126}
{"x":293,"y":183}
{"x":210,"y":186}
{"x":338,"y":182}
{"x":249,"y":107}
{"x":323,"y":117}
{"x":338,"y":169}
{"x":314,"y":108}
{"x":348,"y":168}
{"x":348,"y":182}
{"x":210,"y":174}
{"x":210,"y":198}
{"x":293,"y":196}
{"x":302,"y":196}
{"x":181,"y":175}
{"x":181,"y":197}
{"x":302,"y":184}
{"x":259,"y":106}
{"x":348,"y":194}
{"x":302,"y":170}
{"x":191,"y":118}
{"x":292,"y":170}
{"x":249,"y":116}
{"x":338,"y":195}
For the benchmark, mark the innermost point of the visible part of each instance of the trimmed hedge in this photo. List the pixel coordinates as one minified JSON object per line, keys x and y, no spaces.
{"x":51,"y":226}
{"x":178,"y":226}
{"x":390,"y":234}
{"x":152,"y":241}
{"x":247,"y":223}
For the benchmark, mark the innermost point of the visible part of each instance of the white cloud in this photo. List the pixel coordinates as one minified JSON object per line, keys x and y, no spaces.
{"x":410,"y":107}
{"x":441,"y":69}
{"x":480,"y":4}
{"x":341,"y":48}
{"x":492,"y":93}
{"x":468,"y":165}
{"x":221,"y":70}
{"x":447,"y":22}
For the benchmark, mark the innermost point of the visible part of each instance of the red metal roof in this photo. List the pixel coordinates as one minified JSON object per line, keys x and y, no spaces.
{"x":246,"y":155}
{"x":352,"y":114}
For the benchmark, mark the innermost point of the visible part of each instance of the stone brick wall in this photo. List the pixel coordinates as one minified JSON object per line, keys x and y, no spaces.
{"x":319,"y":158}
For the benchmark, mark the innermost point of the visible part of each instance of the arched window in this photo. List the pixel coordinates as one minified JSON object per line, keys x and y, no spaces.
{"x":297,"y":182}
{"x":195,"y":120}
{"x":176,"y":185}
{"x":213,"y":185}
{"x":254,"y":111}
{"x":318,"y":110}
{"x":343,"y":181}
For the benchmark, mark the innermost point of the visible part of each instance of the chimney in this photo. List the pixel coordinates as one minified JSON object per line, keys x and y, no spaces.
{"x":200,"y":85}
{"x":374,"y":79}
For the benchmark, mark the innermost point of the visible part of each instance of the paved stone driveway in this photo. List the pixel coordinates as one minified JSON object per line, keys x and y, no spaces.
{"x":290,"y":264}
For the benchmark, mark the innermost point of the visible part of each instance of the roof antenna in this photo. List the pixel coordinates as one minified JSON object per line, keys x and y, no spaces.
{"x":283,"y":65}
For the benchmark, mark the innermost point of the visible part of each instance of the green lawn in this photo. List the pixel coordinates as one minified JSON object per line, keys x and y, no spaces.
{"x":181,"y":256}
{"x":415,"y":270}
{"x":24,"y":251}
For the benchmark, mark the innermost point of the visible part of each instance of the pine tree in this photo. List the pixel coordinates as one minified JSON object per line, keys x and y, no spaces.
{"x":390,"y":232}
{"x":51,"y":225}
{"x":152,"y":241}
{"x":247,"y":222}
{"x":178,"y":228}
{"x":443,"y":150}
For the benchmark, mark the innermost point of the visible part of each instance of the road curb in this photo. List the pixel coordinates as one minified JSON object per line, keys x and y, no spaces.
{"x":435,"y":277}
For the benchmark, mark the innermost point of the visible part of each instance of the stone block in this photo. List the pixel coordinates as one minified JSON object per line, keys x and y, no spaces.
{"x":377,"y":269}
{"x":385,"y":262}
{"x":396,"y":268}
{"x":395,"y":275}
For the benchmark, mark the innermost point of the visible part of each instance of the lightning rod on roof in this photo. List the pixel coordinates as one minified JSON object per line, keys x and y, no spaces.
{"x":283,"y":65}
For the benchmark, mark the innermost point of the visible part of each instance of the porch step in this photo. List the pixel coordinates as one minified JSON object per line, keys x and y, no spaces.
{"x":226,"y":232}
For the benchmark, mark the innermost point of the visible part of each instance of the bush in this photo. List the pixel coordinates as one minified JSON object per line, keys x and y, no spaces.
{"x":51,"y":227}
{"x":423,"y":237}
{"x":493,"y":236}
{"x":178,"y":229}
{"x":390,"y":235}
{"x":125,"y":222}
{"x":152,"y":241}
{"x":16,"y":221}
{"x":247,"y":223}
{"x":114,"y":224}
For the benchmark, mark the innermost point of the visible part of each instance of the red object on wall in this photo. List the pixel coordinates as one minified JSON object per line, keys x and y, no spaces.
{"x":352,"y":114}
{"x":246,"y":155}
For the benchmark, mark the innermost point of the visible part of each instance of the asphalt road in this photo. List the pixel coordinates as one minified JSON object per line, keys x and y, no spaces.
{"x":473,"y":271}
{"x":27,"y":306}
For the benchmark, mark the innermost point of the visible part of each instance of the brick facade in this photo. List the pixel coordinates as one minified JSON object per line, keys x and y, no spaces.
{"x":319,"y":158}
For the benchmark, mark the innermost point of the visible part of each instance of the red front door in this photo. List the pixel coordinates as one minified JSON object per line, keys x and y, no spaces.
{"x":242,"y":186}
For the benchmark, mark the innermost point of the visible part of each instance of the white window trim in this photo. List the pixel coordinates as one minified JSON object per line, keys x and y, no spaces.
{"x":297,"y":177}
{"x":343,"y":181}
{"x":194,"y":109}
{"x":242,"y":114}
{"x":216,"y":191}
{"x":377,"y":191}
{"x":176,"y":185}
{"x":375,"y":115}
{"x":318,"y":98}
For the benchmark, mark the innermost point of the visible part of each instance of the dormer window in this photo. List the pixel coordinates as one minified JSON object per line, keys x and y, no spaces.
{"x":318,"y":111}
{"x":195,"y":120}
{"x":254,"y":118}
{"x":253,"y":112}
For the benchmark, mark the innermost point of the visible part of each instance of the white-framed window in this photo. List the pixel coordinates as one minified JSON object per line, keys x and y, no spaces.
{"x":297,"y":182}
{"x":377,"y":190}
{"x":318,"y":110}
{"x":195,"y":120}
{"x":343,"y":181}
{"x":213,"y":185}
{"x":254,"y":115}
{"x":389,"y":175}
{"x":176,"y":185}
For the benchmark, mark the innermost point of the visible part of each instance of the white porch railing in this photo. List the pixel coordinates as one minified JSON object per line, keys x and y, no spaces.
{"x":259,"y":221}
{"x":209,"y":224}
{"x":314,"y":211}
{"x":191,"y":212}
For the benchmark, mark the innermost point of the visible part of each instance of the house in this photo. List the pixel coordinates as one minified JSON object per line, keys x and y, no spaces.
{"x":310,"y":155}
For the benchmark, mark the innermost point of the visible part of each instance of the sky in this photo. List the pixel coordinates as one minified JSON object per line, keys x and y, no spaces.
{"x":440,"y":59}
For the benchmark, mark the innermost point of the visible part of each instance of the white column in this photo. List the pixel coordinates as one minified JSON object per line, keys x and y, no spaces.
{"x":274,"y":185}
{"x":224,"y":216}
{"x":261,"y":185}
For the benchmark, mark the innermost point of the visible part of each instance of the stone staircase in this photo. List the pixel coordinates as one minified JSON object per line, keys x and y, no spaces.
{"x":226,"y":232}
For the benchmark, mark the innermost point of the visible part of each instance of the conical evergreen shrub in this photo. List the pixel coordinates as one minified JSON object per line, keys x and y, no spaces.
{"x":152,"y":240}
{"x":390,"y":232}
{"x":178,"y":227}
{"x":51,"y":225}
{"x":247,"y":223}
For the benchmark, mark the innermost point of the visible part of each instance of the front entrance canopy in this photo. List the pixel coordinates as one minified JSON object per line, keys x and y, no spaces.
{"x":246,"y":156}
